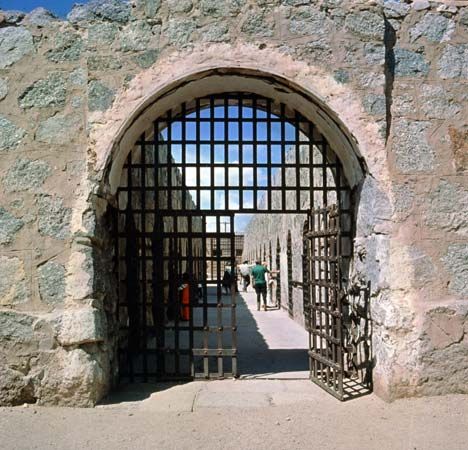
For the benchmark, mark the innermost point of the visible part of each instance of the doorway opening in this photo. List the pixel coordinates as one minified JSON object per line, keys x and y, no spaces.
{"x":192,"y":185}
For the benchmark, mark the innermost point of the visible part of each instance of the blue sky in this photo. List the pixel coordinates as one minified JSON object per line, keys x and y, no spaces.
{"x":59,"y":7}
{"x":233,"y":175}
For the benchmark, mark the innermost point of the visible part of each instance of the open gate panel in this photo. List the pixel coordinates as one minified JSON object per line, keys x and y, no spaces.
{"x":325,"y":313}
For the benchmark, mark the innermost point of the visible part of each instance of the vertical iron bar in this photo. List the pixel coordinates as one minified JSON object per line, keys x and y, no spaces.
{"x":184,"y":155}
{"x":142,"y":255}
{"x":226,"y":155}
{"x":129,"y":264}
{"x":177,"y":282}
{"x":269,"y":150}
{"x":290,"y":287}
{"x":233,"y":300}
{"x":255,"y":150}
{"x":193,"y":286}
{"x":313,"y":327}
{"x":206,"y":367}
{"x":298,"y":160}
{"x":241,"y":153}
{"x":213,"y":155}
{"x":169,"y":160}
{"x":283,"y":156}
{"x":197,"y":138}
{"x":219,"y":297}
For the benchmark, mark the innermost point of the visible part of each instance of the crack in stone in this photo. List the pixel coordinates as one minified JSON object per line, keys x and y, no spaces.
{"x":449,"y":336}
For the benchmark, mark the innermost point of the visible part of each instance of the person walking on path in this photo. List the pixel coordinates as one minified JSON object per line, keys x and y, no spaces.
{"x":260,"y":284}
{"x":244,"y":269}
{"x":227,"y":280}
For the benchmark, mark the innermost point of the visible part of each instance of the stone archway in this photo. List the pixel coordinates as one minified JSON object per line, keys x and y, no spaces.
{"x":386,"y":89}
{"x":305,"y":88}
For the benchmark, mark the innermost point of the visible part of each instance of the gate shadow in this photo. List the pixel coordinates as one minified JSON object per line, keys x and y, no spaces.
{"x":256,"y":360}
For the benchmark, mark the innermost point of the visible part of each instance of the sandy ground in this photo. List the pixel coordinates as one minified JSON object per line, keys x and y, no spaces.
{"x":243,"y":414}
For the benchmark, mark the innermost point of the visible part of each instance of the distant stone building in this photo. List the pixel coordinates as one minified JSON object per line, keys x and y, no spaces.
{"x":223,"y":249}
{"x":385,"y":82}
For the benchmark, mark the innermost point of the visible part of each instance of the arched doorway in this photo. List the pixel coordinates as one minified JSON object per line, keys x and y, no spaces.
{"x":188,"y":177}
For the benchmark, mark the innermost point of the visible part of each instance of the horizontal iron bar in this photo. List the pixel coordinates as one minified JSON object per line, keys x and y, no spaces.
{"x":214,"y":375}
{"x":228,"y":141}
{"x":325,"y":258}
{"x":244,"y":165}
{"x":173,"y":213}
{"x":335,"y":313}
{"x":184,"y":351}
{"x":214,"y":352}
{"x":232,"y":119}
{"x":229,"y":188}
{"x":199,"y":306}
{"x":325,"y":336}
{"x":198,"y":328}
{"x":324,"y":233}
{"x":337,"y":394}
{"x":325,"y":283}
{"x":325,"y":361}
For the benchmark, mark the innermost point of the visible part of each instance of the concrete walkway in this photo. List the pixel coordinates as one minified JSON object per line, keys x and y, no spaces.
{"x":271,"y":345}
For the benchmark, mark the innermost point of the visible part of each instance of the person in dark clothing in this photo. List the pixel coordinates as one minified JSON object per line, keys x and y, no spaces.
{"x":227,"y":280}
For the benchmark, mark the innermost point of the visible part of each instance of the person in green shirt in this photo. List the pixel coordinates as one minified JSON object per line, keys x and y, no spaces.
{"x":259,"y":283}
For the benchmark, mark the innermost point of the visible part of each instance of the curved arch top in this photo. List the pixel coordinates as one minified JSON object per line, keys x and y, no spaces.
{"x":155,"y":91}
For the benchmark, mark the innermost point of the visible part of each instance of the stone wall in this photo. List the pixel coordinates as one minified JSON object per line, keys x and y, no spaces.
{"x":393,"y":75}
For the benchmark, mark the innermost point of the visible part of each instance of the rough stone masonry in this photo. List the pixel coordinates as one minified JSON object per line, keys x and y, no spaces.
{"x":393,"y":73}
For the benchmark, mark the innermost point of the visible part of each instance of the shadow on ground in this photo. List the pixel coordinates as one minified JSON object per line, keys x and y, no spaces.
{"x":258,"y":335}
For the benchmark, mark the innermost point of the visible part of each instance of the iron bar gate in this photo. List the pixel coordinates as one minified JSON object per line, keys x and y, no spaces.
{"x":201,"y":163}
{"x":159,"y":340}
{"x":324,"y":299}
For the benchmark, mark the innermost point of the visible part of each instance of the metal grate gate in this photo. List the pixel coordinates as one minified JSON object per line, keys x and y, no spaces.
{"x":203,"y":162}
{"x":324,"y":299}
{"x":157,"y":340}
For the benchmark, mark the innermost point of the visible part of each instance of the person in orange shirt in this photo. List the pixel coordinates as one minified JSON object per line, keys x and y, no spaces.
{"x":185,"y":297}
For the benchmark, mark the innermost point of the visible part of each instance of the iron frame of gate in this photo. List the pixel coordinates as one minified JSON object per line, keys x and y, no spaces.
{"x":322,"y":262}
{"x":164,"y":168}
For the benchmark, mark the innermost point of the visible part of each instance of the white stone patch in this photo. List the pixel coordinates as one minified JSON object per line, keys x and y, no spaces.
{"x":79,"y":280}
{"x":80,"y":326}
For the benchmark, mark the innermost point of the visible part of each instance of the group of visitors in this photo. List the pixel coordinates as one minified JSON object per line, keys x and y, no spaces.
{"x":262,"y":280}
